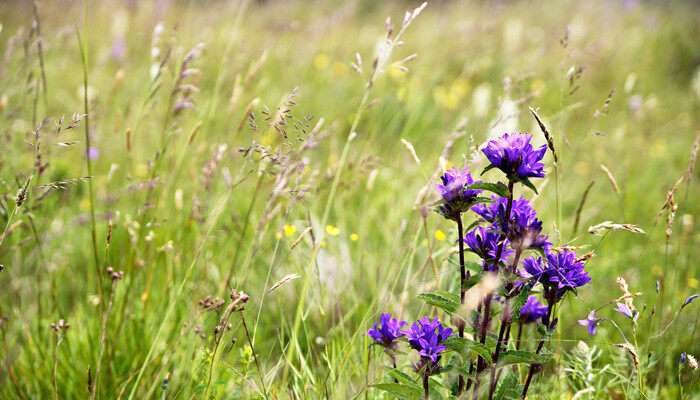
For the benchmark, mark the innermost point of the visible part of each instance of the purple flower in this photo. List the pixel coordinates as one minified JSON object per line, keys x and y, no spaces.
{"x":92,"y":152}
{"x":456,"y":198}
{"x":493,"y":211}
{"x":689,"y":300}
{"x":454,"y":183}
{"x":388,"y":330}
{"x":623,"y":309}
{"x":484,"y":243}
{"x":532,"y":311}
{"x":682,"y":360}
{"x":560,"y":272}
{"x":523,"y":228}
{"x":591,"y":322}
{"x":513,"y":154}
{"x":427,"y":336}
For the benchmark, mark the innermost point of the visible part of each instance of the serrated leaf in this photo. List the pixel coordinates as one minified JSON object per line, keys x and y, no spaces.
{"x":403,"y":377}
{"x":474,"y":279}
{"x":508,"y":389}
{"x":401,"y":391}
{"x":482,"y":200}
{"x":445,"y":301}
{"x":521,"y":357}
{"x":466,"y":347}
{"x":519,"y":301}
{"x":491,"y":187}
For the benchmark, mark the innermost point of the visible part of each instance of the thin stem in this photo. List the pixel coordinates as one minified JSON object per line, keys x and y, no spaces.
{"x":426,"y":390}
{"x":520,"y":334}
{"x":463,"y":289}
{"x":255,"y":356}
{"x":91,"y":186}
{"x":102,"y":342}
{"x":55,"y":366}
{"x":539,"y":348}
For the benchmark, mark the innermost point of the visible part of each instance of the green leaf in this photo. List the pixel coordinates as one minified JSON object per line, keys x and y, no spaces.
{"x":491,"y":187}
{"x":474,"y":279}
{"x":521,"y":357}
{"x":520,"y":301}
{"x":488,"y":168}
{"x":467,"y":347}
{"x":403,"y":377}
{"x":401,"y":391}
{"x":443,"y":300}
{"x":508,"y":389}
{"x":526,"y":182}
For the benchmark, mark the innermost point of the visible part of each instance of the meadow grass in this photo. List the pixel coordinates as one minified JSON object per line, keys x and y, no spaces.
{"x":233,"y":146}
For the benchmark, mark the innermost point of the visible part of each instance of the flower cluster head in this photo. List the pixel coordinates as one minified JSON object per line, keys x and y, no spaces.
{"x":532,"y":311}
{"x":427,"y":337}
{"x":560,"y":272}
{"x":456,"y":197}
{"x":484,"y":243}
{"x":387,"y":331}
{"x":522,"y":229}
{"x":513,"y":154}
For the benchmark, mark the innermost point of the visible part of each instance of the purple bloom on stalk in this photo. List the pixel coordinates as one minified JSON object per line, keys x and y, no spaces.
{"x":682,"y":360}
{"x":513,"y":154}
{"x":492,"y":211}
{"x":623,"y":309}
{"x":523,"y":228}
{"x":560,"y":271}
{"x":454,"y":183}
{"x":427,"y":336}
{"x":456,"y":197}
{"x":484,"y":243}
{"x":532,"y":311}
{"x":388,"y":330}
{"x":591,"y":322}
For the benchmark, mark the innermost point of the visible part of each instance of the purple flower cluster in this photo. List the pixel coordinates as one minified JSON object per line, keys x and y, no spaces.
{"x":387,"y":331}
{"x":484,"y":243}
{"x":456,"y":198}
{"x":513,"y":154}
{"x":523,"y":229}
{"x":532,"y":311}
{"x":454,"y":183}
{"x":427,"y":336}
{"x":560,"y":271}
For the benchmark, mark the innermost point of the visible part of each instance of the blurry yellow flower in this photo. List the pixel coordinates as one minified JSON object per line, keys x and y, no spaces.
{"x":354,"y":237}
{"x":537,"y":86}
{"x":289,"y":230}
{"x":460,"y":87}
{"x":693,"y":283}
{"x":323,"y":243}
{"x":321,"y":61}
{"x":144,"y":296}
{"x":332,"y":230}
{"x":396,"y":73}
{"x":141,"y":170}
{"x":440,"y":235}
{"x":278,"y":235}
{"x":338,"y":68}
